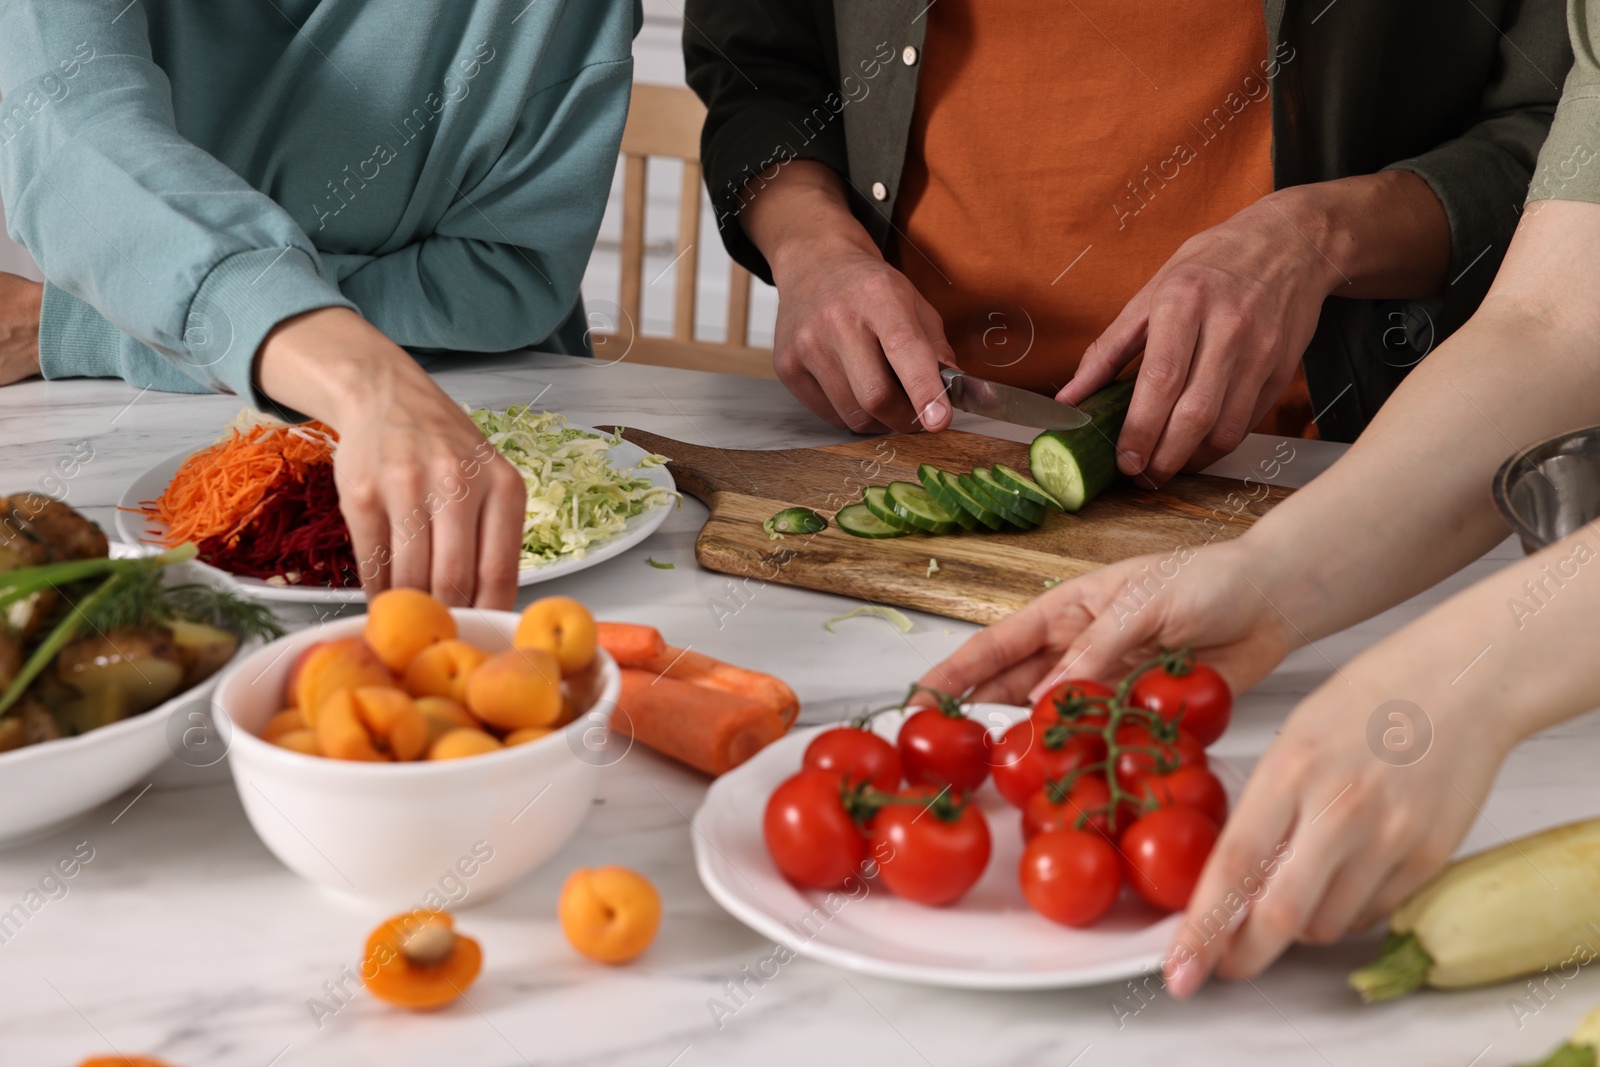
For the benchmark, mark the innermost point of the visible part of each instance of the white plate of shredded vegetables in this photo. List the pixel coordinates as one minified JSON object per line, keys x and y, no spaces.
{"x":591,"y":496}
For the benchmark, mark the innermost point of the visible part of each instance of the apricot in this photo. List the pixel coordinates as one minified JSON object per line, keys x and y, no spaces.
{"x":286,"y":721}
{"x":371,"y":723}
{"x":403,"y":622}
{"x":516,"y":688}
{"x":526,"y":734}
{"x":329,"y":666}
{"x":443,"y":715}
{"x":442,"y":669}
{"x":610,"y":914}
{"x":462,"y":742}
{"x":418,"y":961}
{"x":561,"y":626}
{"x":302,"y":741}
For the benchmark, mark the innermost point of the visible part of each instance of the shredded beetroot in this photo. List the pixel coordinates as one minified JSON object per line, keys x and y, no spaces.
{"x":298,"y":534}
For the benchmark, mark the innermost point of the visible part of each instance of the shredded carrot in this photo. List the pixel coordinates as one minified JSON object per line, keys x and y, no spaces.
{"x":220,"y":490}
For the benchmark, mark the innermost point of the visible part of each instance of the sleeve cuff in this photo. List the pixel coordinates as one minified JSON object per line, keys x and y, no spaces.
{"x":1567,"y":167}
{"x":241,"y":300}
{"x":1474,"y":181}
{"x":748,"y":145}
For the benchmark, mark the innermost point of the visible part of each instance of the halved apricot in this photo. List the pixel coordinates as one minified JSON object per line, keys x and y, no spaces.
{"x":417,"y":960}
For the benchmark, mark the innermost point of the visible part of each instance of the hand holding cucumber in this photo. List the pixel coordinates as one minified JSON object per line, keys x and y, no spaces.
{"x":1222,"y":326}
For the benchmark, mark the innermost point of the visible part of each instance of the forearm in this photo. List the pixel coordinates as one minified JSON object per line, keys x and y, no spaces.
{"x":1409,"y":503}
{"x":1513,"y":653}
{"x":331,"y":363}
{"x":800,"y":210}
{"x":1385,"y":236}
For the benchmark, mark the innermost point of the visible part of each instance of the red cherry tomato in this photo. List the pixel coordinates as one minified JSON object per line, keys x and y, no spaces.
{"x":1024,"y":758}
{"x":1141,"y":759}
{"x":860,"y":755}
{"x":810,"y":835}
{"x":1089,"y":796}
{"x":1189,"y":787}
{"x":928,"y":855}
{"x":1073,"y":692}
{"x":1070,"y":876}
{"x":941,"y":750}
{"x":1200,"y":701}
{"x":1164,"y":852}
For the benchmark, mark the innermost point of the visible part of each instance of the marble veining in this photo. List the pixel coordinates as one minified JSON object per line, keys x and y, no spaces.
{"x":184,"y":938}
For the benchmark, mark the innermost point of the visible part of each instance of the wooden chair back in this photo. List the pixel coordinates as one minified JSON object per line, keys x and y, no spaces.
{"x":664,"y":121}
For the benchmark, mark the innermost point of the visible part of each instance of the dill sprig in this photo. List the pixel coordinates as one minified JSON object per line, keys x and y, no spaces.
{"x":132,"y":596}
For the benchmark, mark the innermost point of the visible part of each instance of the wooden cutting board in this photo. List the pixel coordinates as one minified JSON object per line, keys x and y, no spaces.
{"x":982,"y":576}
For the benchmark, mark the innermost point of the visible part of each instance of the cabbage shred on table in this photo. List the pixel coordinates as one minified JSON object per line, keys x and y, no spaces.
{"x":575,"y":496}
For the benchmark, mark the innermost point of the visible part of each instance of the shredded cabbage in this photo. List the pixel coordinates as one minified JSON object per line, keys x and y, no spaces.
{"x":576,"y":498}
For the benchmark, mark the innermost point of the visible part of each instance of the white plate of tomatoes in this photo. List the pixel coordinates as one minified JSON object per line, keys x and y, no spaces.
{"x":962,"y":855}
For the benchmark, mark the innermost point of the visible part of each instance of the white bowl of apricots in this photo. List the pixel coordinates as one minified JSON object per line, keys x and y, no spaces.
{"x":421,"y":756}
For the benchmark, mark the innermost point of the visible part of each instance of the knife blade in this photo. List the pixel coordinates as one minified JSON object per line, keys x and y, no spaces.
{"x":1008,"y":403}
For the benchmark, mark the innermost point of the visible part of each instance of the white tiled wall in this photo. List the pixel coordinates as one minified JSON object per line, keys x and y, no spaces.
{"x":659,"y":59}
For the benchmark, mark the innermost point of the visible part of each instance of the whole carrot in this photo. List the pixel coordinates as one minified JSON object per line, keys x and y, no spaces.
{"x":710,"y":729}
{"x":631,"y":644}
{"x":690,"y":666}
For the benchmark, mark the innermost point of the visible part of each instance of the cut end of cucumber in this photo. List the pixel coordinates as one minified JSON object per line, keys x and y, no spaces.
{"x":1402,"y":967}
{"x":1058,"y":471}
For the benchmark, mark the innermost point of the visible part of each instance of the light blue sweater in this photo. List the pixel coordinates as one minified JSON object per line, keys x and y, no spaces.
{"x":189,"y":173}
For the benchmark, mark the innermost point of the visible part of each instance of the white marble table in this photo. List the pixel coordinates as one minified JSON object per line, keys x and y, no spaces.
{"x":185,"y":938}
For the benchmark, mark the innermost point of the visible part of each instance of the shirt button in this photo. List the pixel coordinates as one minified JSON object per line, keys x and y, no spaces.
{"x":908,"y":56}
{"x":880,"y":191}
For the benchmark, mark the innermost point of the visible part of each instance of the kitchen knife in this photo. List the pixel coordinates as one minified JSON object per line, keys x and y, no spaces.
{"x":1008,"y":403}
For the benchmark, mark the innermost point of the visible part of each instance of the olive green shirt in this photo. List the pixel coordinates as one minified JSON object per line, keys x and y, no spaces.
{"x":1569,"y":162}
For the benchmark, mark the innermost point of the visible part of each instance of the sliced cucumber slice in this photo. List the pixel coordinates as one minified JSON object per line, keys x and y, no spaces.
{"x":1012,"y":508}
{"x":961,"y":496}
{"x":857,"y":520}
{"x":1014,"y":501}
{"x":936,"y":485}
{"x":911,"y":503}
{"x":876,"y":498}
{"x":1018,"y":482}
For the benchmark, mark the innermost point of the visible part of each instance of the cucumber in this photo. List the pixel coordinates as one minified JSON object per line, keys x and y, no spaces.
{"x":933,"y":484}
{"x":857,"y":520}
{"x":794,"y":521}
{"x":952,"y":493}
{"x":876,"y":499}
{"x":999,"y":505}
{"x":1014,"y":501}
{"x":918,"y":509}
{"x":1021,"y":483}
{"x":1074,"y":466}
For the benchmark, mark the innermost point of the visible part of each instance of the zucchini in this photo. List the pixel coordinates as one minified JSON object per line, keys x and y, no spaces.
{"x":954,"y":493}
{"x":1581,"y":1047}
{"x":933,"y":484}
{"x":1074,"y":466}
{"x":1029,"y":489}
{"x":857,"y":520}
{"x":1014,"y":501}
{"x":916,"y":508}
{"x":1513,"y":910}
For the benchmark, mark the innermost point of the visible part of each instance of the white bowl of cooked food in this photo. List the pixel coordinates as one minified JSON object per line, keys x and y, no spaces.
{"x":405,"y":829}
{"x":96,"y":656}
